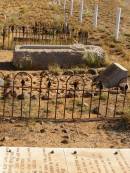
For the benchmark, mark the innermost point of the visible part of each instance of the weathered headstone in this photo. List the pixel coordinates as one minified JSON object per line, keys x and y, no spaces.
{"x":118,"y":18}
{"x":64,"y":160}
{"x":113,"y":75}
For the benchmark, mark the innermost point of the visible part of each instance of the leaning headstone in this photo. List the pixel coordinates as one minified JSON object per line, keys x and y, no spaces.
{"x":113,"y":75}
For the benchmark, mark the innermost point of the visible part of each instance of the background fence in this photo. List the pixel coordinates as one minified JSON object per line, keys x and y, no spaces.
{"x":50,"y":98}
{"x":42,"y":34}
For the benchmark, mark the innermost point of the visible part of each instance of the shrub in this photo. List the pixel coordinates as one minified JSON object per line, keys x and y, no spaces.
{"x":92,"y":59}
{"x":55,"y":69}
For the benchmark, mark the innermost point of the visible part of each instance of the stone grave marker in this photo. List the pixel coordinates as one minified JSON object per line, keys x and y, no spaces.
{"x":64,"y":160}
{"x":113,"y":75}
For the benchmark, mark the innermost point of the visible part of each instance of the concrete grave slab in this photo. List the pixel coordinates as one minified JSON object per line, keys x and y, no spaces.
{"x":64,"y":160}
{"x":41,"y":56}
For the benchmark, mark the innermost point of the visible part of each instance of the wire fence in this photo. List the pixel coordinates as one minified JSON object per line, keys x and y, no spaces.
{"x":49,"y":98}
{"x":41,"y":34}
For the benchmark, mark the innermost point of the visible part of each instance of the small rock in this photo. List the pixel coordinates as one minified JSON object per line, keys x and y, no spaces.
{"x":12,"y":121}
{"x":64,"y":131}
{"x":42,"y":131}
{"x":114,"y":92}
{"x":14,"y":94}
{"x":92,"y":71}
{"x":100,"y":70}
{"x":68,"y":72}
{"x":56,"y":129}
{"x":123,"y":140}
{"x":64,"y":141}
{"x":95,"y":110}
{"x":70,"y":94}
{"x":45,"y":97}
{"x":66,"y":137}
{"x":87,"y":94}
{"x":2,"y":139}
{"x":33,"y":97}
{"x":20,"y":97}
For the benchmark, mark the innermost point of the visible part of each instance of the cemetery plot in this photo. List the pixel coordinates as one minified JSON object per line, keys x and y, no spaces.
{"x":63,"y":97}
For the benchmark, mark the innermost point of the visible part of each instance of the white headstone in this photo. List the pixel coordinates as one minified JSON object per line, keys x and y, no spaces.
{"x":96,"y":16}
{"x":118,"y":18}
{"x":81,"y":10}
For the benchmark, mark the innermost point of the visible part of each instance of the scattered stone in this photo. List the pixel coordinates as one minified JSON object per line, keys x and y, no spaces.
{"x":123,"y":140}
{"x":92,"y":71}
{"x":45,"y":97}
{"x":42,"y":130}
{"x":68,"y":72}
{"x":123,"y":86}
{"x":64,"y":131}
{"x":14,"y":94}
{"x":20,"y":97}
{"x":95,"y":110}
{"x":88,"y":94}
{"x":12,"y":121}
{"x":100,"y":70}
{"x":2,"y":139}
{"x":64,"y":141}
{"x":79,"y":71}
{"x":114,"y":91}
{"x":33,"y":97}
{"x":66,"y":137}
{"x":56,"y":129}
{"x":70,"y":94}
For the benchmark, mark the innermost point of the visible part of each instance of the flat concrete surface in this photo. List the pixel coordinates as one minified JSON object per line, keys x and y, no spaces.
{"x":64,"y":160}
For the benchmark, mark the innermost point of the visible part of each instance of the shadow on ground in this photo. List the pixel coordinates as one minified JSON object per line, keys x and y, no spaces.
{"x":7,"y":66}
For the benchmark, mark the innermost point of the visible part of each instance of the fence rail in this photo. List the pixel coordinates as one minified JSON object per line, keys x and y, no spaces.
{"x":48,"y":98}
{"x":41,"y":34}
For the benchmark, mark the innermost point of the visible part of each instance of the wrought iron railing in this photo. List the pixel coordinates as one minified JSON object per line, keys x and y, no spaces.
{"x":49,"y":97}
{"x":41,"y":34}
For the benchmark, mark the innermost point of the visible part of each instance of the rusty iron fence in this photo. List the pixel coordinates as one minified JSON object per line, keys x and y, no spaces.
{"x":47,"y":97}
{"x":41,"y":34}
